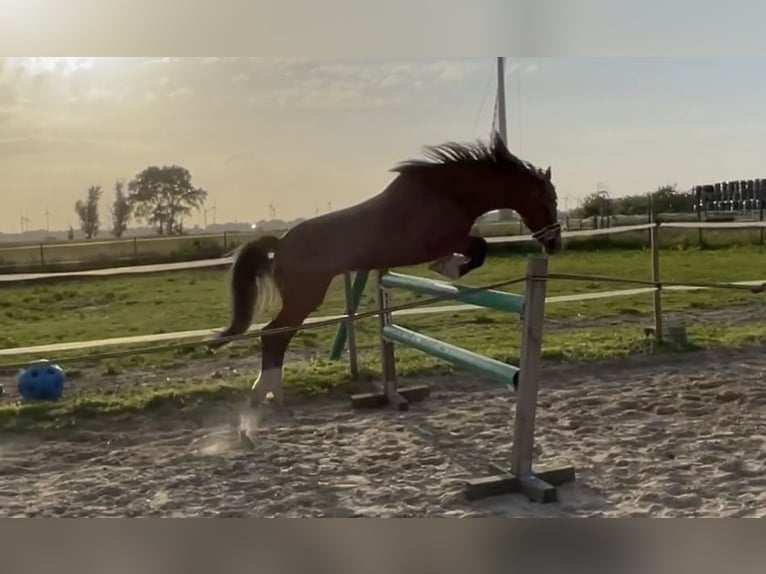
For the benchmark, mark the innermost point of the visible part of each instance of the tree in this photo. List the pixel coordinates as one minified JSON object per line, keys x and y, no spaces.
{"x":633,"y":204}
{"x":667,"y":199}
{"x":163,"y":196}
{"x":121,"y":210}
{"x":595,"y":204}
{"x":87,"y":211}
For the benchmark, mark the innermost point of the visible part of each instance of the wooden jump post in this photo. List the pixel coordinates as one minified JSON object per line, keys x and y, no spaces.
{"x":539,"y":486}
{"x":345,"y":331}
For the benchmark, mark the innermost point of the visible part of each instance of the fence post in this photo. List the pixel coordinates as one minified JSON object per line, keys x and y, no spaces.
{"x":387,"y":357}
{"x":698,"y":196}
{"x":135,"y":248}
{"x":657,"y":294}
{"x":225,"y":240}
{"x":353,"y":362}
{"x":522,"y":451}
{"x":761,"y":193}
{"x":42,"y":255}
{"x":650,"y":215}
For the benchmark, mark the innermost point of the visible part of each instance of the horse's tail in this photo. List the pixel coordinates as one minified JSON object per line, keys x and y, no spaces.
{"x":251,"y":282}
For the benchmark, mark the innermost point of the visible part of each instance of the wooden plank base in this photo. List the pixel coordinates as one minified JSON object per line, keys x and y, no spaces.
{"x":401,"y":399}
{"x":540,"y":487}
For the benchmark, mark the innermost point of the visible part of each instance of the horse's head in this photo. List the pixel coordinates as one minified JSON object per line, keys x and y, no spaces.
{"x":487,"y":177}
{"x":539,"y":210}
{"x":530,"y":192}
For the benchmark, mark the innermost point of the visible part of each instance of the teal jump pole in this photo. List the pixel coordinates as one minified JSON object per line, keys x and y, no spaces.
{"x":357,"y":289}
{"x":498,"y":300}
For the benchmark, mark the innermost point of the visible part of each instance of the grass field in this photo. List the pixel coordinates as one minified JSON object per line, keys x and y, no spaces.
{"x":107,"y":252}
{"x":198,"y":299}
{"x":589,"y":330}
{"x":59,"y":256}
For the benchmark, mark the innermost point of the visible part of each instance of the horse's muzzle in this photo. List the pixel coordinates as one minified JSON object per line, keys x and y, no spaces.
{"x":550,"y":238}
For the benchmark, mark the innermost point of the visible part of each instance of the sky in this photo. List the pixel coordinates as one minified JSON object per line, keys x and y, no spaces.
{"x":301,"y":134}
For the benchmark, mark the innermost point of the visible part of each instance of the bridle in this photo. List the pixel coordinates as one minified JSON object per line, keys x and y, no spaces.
{"x":547,"y":233}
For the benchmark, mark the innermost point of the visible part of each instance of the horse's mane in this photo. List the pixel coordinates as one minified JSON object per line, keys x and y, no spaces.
{"x":493,"y":154}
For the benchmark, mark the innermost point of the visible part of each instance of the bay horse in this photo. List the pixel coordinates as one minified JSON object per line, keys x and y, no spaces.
{"x":425,"y":214}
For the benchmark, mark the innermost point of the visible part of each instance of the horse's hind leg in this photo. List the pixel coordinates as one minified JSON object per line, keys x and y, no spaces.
{"x":300,"y":297}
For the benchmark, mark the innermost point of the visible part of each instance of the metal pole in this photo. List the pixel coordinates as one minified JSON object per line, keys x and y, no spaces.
{"x":502,"y":128}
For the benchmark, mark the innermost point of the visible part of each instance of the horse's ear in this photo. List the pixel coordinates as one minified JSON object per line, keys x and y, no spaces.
{"x":548,"y":173}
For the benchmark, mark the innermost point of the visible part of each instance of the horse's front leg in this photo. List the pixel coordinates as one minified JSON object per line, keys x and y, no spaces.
{"x":466,"y":258}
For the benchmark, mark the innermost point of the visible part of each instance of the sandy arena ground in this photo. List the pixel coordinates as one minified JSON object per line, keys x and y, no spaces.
{"x":673,"y":436}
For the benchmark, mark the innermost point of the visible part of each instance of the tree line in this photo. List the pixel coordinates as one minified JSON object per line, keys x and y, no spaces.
{"x":665,"y":199}
{"x":161,"y":197}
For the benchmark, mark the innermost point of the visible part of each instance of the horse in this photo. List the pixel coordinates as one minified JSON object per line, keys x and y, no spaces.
{"x":425,"y":214}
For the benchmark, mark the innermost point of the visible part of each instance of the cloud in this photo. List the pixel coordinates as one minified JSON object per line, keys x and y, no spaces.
{"x":185,"y":92}
{"x":360,"y":84}
{"x":353,"y":84}
{"x":278,"y":82}
{"x":392,"y":80}
{"x":160,"y":61}
{"x":99,"y":94}
{"x":530,"y":69}
{"x":452,"y":72}
{"x":524,"y":69}
{"x":336,"y":95}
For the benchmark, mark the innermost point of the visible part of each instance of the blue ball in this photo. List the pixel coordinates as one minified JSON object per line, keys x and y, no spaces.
{"x":42,"y":381}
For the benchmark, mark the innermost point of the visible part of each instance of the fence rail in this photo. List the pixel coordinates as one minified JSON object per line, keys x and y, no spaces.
{"x":133,"y":250}
{"x":155,"y":249}
{"x":201,"y":333}
{"x":498,"y":240}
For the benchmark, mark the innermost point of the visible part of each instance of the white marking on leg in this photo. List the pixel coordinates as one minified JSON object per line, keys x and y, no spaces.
{"x":449,"y":266}
{"x":260,"y":388}
{"x":277,"y":390}
{"x":269,"y":382}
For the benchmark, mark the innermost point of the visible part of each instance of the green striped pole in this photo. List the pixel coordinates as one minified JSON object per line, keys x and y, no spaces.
{"x":357,"y":289}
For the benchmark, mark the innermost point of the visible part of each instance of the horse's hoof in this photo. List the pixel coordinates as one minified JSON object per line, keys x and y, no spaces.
{"x":245,"y":440}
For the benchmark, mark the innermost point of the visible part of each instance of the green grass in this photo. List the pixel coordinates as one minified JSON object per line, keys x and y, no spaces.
{"x":112,"y":307}
{"x":108,"y":252}
{"x":178,"y":301}
{"x":319,"y":377}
